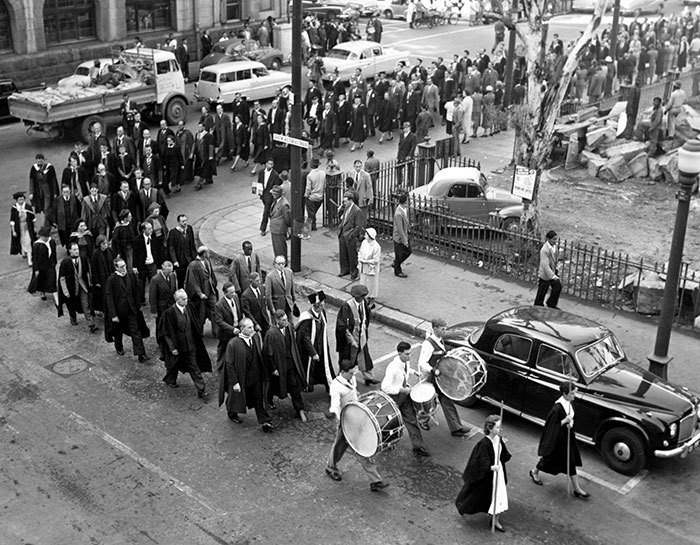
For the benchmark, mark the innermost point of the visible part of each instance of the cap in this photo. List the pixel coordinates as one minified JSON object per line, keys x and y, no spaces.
{"x":371,"y":232}
{"x":276,"y":190}
{"x":316,"y":297}
{"x":17,"y":195}
{"x":359,"y":290}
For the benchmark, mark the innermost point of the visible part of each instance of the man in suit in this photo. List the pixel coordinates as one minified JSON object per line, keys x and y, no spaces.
{"x":74,"y":286}
{"x":147,"y":196}
{"x":106,"y":158}
{"x":351,"y":231}
{"x":136,"y":132}
{"x":162,"y":137}
{"x":363,"y":187}
{"x":75,"y":177}
{"x":227,"y":314}
{"x":200,"y":285}
{"x":94,"y":151}
{"x":276,"y":117}
{"x":411,"y":105}
{"x":126,"y":199}
{"x":179,"y":337}
{"x":328,"y":128}
{"x":43,"y":185}
{"x":267,"y":179}
{"x":223,"y":134}
{"x":371,"y":109}
{"x":279,"y":287}
{"x":254,"y":304}
{"x":407,"y":147}
{"x":185,"y":141}
{"x":147,"y":257}
{"x":241,"y":109}
{"x":96,"y":212}
{"x":123,"y":140}
{"x":280,"y":221}
{"x":145,"y":142}
{"x":151,"y":167}
{"x":402,"y":245}
{"x":128,"y":110}
{"x":181,"y":248}
{"x":123,"y":312}
{"x":242,"y":267}
{"x":161,"y":292}
{"x":182,"y":53}
{"x":64,"y":214}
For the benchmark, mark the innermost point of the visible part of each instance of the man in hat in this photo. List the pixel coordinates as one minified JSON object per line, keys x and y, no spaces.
{"x":350,"y":232}
{"x":22,"y":219}
{"x":352,"y":332}
{"x":314,"y":348}
{"x":279,"y":288}
{"x":243,"y":265}
{"x":280,"y":221}
{"x":200,"y":285}
{"x":673,"y":107}
{"x":315,"y":189}
{"x":74,"y":282}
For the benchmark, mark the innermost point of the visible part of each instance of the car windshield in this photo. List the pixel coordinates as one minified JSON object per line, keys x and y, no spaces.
{"x":82,"y":71}
{"x":600,"y":355}
{"x":207,"y":76}
{"x":260,"y":72}
{"x":338,"y":54}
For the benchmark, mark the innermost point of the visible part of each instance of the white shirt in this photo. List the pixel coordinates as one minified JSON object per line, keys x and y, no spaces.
{"x":426,"y":351}
{"x":149,"y":254}
{"x":342,"y":392}
{"x":395,"y":377}
{"x":181,"y":309}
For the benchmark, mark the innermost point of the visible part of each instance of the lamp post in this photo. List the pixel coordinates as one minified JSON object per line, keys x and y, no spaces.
{"x":689,"y":168}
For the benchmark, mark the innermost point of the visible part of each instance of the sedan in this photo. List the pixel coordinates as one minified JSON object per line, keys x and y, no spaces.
{"x":371,"y":57}
{"x":243,"y":50}
{"x":81,"y":76}
{"x":627,"y":413}
{"x":627,"y":7}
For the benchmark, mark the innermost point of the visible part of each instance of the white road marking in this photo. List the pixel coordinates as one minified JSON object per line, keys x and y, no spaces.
{"x":634,"y":481}
{"x":423,"y":38}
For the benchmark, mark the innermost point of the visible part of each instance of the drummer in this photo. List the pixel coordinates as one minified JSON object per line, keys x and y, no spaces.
{"x":344,"y":391}
{"x":432,"y":349}
{"x":395,"y":384}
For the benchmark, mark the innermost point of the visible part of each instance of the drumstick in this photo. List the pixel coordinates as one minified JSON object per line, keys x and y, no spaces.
{"x":568,"y":446}
{"x":494,"y":495}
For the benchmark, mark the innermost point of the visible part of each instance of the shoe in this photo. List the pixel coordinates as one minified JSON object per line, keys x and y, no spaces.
{"x":267,"y":427}
{"x":371,"y":382}
{"x":354,"y":276}
{"x":343,"y":274}
{"x":421,"y":451}
{"x":198,"y":187}
{"x":203,"y":394}
{"x":43,"y":297}
{"x":144,"y":359}
{"x":334,"y":474}
{"x":313,"y":228}
{"x":535,"y":480}
{"x":462,"y":432}
{"x":582,"y":495}
{"x":172,"y":384}
{"x":401,"y":274}
{"x":263,"y":232}
{"x":120,"y":351}
{"x":302,"y":415}
{"x":235,"y":419}
{"x":377,"y":486}
{"x":497,"y":526}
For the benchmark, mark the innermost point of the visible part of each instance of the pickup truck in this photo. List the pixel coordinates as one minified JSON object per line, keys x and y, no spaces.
{"x":151,"y":77}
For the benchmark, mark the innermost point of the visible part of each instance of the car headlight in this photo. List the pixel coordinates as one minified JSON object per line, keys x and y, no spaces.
{"x":673,"y":430}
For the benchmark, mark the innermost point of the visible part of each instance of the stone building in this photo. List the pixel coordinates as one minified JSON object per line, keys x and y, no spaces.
{"x":44,"y":40}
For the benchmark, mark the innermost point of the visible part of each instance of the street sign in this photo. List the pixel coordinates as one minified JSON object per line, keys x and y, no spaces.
{"x":523,"y":182}
{"x":291,"y":141}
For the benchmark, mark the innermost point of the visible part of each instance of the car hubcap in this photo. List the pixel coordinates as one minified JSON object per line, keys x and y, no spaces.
{"x":622,"y":452}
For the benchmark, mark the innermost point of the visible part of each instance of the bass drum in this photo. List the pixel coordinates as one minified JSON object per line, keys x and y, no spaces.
{"x":372,"y":424}
{"x":462,"y":373}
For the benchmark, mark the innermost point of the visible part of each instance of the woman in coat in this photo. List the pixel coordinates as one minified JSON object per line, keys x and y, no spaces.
{"x":22,"y":219}
{"x":101,"y":267}
{"x":488,"y":105}
{"x":486,"y":466}
{"x":241,"y":142}
{"x":386,"y":113}
{"x":358,"y":124}
{"x":261,"y":142}
{"x":369,"y":258}
{"x":558,"y":432}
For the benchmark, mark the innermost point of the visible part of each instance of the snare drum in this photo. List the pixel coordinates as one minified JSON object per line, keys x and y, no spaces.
{"x":462,"y":373}
{"x":372,"y":424}
{"x":424,"y":398}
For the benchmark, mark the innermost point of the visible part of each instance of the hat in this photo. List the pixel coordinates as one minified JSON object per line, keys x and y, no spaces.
{"x":276,"y":191}
{"x":359,"y":290}
{"x":608,"y":59}
{"x":489,"y":88}
{"x":17,"y":195}
{"x":371,"y":232}
{"x":676,"y":85}
{"x":45,"y":231}
{"x":316,"y":297}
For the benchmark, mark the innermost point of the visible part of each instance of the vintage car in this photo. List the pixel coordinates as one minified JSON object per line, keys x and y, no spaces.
{"x":464,"y":191}
{"x":220,"y":82}
{"x":243,"y":50}
{"x":626,"y":412}
{"x":326,"y":10}
{"x":627,"y":7}
{"x":81,"y":76}
{"x":366,"y":8}
{"x":393,"y":9}
{"x":371,"y":57}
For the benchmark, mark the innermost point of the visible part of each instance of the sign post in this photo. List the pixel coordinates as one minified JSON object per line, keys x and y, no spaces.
{"x":524,"y":182}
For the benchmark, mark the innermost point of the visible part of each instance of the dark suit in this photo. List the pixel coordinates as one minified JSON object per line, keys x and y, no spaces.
{"x":407,"y":147}
{"x":147,"y":198}
{"x":97,"y":215}
{"x":275,"y":119}
{"x":350,"y":232}
{"x":127,"y":142}
{"x":146,"y":271}
{"x":281,"y":354}
{"x":200,"y":279}
{"x":177,"y":330}
{"x":223,"y":135}
{"x":75,"y":289}
{"x":239,"y":273}
{"x":129,"y":202}
{"x":181,"y":250}
{"x":280,"y":295}
{"x":256,"y":308}
{"x":64,"y":215}
{"x":226,"y":323}
{"x":77,"y":180}
{"x":161,"y":294}
{"x":266,"y":197}
{"x":412,"y":107}
{"x":152,"y":169}
{"x":280,"y":221}
{"x":122,"y":302}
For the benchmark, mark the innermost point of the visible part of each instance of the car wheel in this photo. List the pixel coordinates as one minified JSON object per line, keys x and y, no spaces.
{"x":388,"y":14}
{"x":87,"y":123}
{"x":176,"y":111}
{"x":276,"y":64}
{"x":624,"y":451}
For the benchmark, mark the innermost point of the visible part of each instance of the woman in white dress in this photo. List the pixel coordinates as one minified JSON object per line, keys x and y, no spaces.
{"x":369,"y":256}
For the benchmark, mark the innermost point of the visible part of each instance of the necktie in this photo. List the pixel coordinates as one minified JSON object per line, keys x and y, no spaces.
{"x":284,"y":280}
{"x":148,"y":240}
{"x":75,"y":265}
{"x":94,"y":200}
{"x":250,"y":267}
{"x":361,"y":312}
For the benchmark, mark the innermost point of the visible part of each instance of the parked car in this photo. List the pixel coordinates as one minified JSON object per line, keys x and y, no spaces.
{"x":220,"y":82}
{"x":326,"y":10}
{"x":370,"y":56}
{"x":464,"y":191}
{"x":627,"y":7}
{"x":366,"y":8}
{"x":7,"y":87}
{"x":81,"y":76}
{"x":626,"y":412}
{"x":243,"y":50}
{"x":393,"y":9}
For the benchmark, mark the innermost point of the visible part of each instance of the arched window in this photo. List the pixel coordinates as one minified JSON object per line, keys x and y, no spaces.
{"x":69,"y":20}
{"x":5,"y":29}
{"x":145,"y":15}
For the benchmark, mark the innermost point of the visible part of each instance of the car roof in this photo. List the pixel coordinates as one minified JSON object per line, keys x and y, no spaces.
{"x":457,"y":174}
{"x":157,"y":54}
{"x":237,"y":65}
{"x":356,"y":45}
{"x":554,"y":326}
{"x":103,"y":60}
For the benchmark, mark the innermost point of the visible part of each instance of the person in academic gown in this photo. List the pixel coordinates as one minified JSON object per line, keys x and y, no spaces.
{"x":22,"y":219}
{"x":44,"y":265}
{"x":314,"y":348}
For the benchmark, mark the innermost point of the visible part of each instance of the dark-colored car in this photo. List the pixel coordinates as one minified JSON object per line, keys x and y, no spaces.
{"x":628,"y":413}
{"x":7,"y":87}
{"x":243,"y":50}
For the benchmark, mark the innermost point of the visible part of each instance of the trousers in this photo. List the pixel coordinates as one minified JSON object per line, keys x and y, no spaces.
{"x":340,"y":445}
{"x":542,"y":288}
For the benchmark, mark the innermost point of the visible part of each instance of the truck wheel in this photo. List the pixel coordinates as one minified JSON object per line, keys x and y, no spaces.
{"x":88,"y":122}
{"x":176,"y":111}
{"x":623,"y":451}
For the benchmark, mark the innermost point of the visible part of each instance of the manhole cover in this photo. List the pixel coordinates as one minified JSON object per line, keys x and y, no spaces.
{"x":67,"y":367}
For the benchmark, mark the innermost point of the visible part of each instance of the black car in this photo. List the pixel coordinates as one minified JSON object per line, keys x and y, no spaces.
{"x":628,"y":413}
{"x":7,"y":87}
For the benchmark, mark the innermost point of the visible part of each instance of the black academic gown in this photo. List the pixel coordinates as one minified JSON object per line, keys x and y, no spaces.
{"x":552,"y":448}
{"x":312,"y":338}
{"x":475,"y":496}
{"x":275,"y":352}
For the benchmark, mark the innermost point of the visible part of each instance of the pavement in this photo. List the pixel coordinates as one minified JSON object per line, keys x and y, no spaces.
{"x":435,"y":286}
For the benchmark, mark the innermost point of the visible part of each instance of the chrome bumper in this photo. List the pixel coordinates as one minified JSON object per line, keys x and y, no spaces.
{"x":681,"y":450}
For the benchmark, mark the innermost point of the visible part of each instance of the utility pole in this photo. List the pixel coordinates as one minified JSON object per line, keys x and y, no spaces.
{"x":510,"y":58}
{"x":295,"y":129}
{"x":615,"y":31}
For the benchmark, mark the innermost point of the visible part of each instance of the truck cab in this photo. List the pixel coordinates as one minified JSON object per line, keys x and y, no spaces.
{"x":7,"y":87}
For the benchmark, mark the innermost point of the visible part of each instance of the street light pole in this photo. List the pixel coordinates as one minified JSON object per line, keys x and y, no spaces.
{"x":615,"y":30}
{"x":295,"y":130}
{"x":510,"y":58}
{"x":689,"y":167}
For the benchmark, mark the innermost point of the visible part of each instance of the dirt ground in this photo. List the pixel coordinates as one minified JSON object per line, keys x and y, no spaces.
{"x":635,"y":217}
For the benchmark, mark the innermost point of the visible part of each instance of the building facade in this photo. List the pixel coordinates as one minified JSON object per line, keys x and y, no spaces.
{"x":43,"y":40}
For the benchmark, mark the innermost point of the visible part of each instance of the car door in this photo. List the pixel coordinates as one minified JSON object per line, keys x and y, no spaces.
{"x":550,"y":368}
{"x":466,"y":199}
{"x":245,"y":84}
{"x":366,"y":62}
{"x":507,"y":370}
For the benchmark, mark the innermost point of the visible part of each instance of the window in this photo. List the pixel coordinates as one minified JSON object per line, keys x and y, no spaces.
{"x":5,"y":28}
{"x":233,"y":10}
{"x":162,"y":67}
{"x":68,"y":20}
{"x":148,"y":15}
{"x":209,"y":77}
{"x":556,"y":361}
{"x":377,"y":51}
{"x":513,"y":346}
{"x":458,"y":191}
{"x":473,"y":191}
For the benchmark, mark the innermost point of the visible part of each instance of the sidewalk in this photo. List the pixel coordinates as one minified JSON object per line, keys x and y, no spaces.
{"x":434,"y":287}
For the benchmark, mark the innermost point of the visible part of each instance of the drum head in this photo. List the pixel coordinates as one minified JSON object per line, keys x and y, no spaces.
{"x":422,"y":392}
{"x":457,"y":373}
{"x":360,"y":429}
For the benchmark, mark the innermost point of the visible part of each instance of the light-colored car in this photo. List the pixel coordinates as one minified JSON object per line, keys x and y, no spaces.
{"x":627,"y":7}
{"x":371,"y":57}
{"x":464,"y":191}
{"x":393,"y":9}
{"x":81,"y":76}
{"x":365,"y":8}
{"x":220,"y":82}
